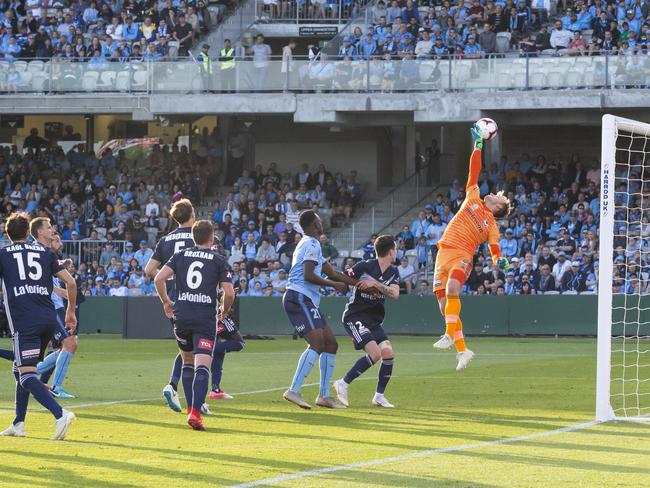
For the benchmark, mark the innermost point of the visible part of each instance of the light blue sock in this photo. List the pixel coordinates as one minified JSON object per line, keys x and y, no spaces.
{"x":305,"y":365}
{"x":47,"y":364}
{"x":62,"y":363}
{"x":326,"y":371}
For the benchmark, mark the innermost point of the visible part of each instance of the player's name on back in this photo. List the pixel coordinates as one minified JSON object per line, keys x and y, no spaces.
{"x":177,"y":236}
{"x":194,"y":297}
{"x":30,"y":290}
{"x":22,"y":246}
{"x":199,"y":254}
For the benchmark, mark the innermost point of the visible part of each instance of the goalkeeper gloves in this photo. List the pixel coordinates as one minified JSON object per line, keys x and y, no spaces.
{"x":477,"y":137}
{"x":502,"y":264}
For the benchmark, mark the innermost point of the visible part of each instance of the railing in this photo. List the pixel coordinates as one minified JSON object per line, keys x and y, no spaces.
{"x":232,"y":27}
{"x":327,"y":75}
{"x":330,"y":12}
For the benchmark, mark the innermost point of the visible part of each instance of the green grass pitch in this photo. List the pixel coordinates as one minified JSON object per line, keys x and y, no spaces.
{"x":514,"y":388}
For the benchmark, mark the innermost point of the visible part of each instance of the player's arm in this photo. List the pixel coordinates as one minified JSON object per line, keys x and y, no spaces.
{"x":495,"y":249}
{"x":390,"y":291}
{"x":160,"y":283}
{"x":227,"y":298}
{"x":152,"y":267}
{"x":71,"y":287}
{"x":475,"y":160}
{"x":312,"y":277}
{"x":62,"y":292}
{"x":335,"y":275}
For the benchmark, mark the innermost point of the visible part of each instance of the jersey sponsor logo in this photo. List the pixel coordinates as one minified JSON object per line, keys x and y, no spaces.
{"x":30,"y":290}
{"x":228,"y":274}
{"x":486,"y":223}
{"x":206,"y":344}
{"x":194,"y":297}
{"x":30,"y":353}
{"x":300,"y":328}
{"x":475,"y":206}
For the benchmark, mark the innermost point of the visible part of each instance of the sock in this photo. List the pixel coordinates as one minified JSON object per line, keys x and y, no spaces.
{"x":362,"y":365}
{"x":47,"y":364}
{"x":176,"y":371}
{"x":452,"y":313}
{"x":61,"y":369}
{"x":385,"y":372}
{"x":200,"y":387}
{"x":187,"y":375}
{"x":22,"y":399}
{"x":216,"y":369}
{"x":229,"y":346}
{"x":459,"y":337}
{"x":7,"y":354}
{"x":326,"y":371}
{"x":305,"y":365}
{"x":31,"y":383}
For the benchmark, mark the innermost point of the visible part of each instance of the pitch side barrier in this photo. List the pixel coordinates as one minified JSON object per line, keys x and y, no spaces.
{"x":549,"y":315}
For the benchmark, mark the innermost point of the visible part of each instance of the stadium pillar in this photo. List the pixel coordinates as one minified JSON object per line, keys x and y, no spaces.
{"x":409,"y":150}
{"x":90,"y":131}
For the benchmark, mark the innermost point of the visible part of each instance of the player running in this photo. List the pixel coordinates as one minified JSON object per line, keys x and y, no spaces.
{"x":364,"y":315}
{"x":26,"y":270}
{"x":199,"y":272}
{"x":301,"y":302}
{"x":473,"y":225}
{"x":181,"y":238}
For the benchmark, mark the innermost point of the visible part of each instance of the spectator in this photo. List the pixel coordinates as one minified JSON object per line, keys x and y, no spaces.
{"x":407,"y":275}
{"x":328,"y":250}
{"x":143,"y":254}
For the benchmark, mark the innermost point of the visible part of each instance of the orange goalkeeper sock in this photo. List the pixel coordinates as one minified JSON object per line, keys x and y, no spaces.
{"x":459,"y":338}
{"x":452,"y":311}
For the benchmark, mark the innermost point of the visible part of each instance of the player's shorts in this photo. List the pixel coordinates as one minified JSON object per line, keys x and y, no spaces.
{"x":30,"y":344}
{"x":303,"y":314}
{"x":61,"y":332}
{"x":195,"y":338}
{"x":451,"y":263}
{"x":227,"y":330}
{"x":362,"y":335}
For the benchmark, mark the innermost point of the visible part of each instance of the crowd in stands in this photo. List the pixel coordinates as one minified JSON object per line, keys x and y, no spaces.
{"x":550,"y":238}
{"x":101,"y":30}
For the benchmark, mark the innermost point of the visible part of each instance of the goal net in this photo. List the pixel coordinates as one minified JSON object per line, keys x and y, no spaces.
{"x":623,"y":375}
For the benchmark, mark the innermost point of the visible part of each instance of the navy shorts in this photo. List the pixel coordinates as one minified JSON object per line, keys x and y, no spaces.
{"x":60,"y":332}
{"x":227,"y":330}
{"x":195,"y":338}
{"x":303,"y":314}
{"x":30,"y":344}
{"x":362,"y":335}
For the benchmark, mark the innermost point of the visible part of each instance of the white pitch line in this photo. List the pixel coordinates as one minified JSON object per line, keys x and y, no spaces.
{"x":404,"y":457}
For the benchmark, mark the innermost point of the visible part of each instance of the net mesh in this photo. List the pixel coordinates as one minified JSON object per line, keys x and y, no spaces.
{"x":630,"y":353}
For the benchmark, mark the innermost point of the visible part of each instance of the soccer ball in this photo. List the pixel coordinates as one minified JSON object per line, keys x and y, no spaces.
{"x":488,"y":128}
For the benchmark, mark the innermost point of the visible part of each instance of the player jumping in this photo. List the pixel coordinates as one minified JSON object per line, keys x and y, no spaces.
{"x":364,"y":315}
{"x":26,"y":270}
{"x":473,"y":225}
{"x":199,"y":273}
{"x":301,"y":302}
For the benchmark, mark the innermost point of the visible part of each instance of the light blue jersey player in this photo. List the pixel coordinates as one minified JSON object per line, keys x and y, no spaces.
{"x":301,"y":302}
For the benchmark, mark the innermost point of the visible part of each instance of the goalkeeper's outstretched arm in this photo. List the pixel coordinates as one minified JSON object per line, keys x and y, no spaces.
{"x":475,"y":160}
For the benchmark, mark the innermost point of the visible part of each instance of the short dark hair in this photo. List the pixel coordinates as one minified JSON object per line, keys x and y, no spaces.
{"x":307,"y":218}
{"x":36,"y":224}
{"x":17,"y":226}
{"x":202,"y":231}
{"x":383,"y":245}
{"x":182,"y":211}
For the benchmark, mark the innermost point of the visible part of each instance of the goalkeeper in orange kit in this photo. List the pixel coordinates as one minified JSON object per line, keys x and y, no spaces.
{"x":473,"y":225}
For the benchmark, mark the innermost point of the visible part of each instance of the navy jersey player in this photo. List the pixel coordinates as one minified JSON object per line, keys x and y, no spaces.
{"x":183,"y":214}
{"x":300,"y":303}
{"x":26,"y":270}
{"x":200,"y":273}
{"x":364,"y":315}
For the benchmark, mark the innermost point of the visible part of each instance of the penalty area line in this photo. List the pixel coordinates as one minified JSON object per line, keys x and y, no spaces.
{"x":418,"y":454}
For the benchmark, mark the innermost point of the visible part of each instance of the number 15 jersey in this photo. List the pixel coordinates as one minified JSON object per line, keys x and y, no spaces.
{"x":199,"y":272}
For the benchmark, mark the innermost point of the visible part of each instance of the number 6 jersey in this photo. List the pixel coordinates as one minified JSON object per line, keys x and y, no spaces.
{"x":199,"y":272}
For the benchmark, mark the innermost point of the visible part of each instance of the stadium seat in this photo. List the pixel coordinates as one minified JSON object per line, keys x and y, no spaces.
{"x":555,"y":79}
{"x":504,"y":81}
{"x":538,"y":79}
{"x":344,"y":253}
{"x":412,"y":256}
{"x":89,"y":81}
{"x":139,"y":81}
{"x":357,"y":254}
{"x":574,"y":79}
{"x":520,"y":80}
{"x":503,"y":41}
{"x":122,"y":81}
{"x":40,"y":82}
{"x":107,"y":80}
{"x":20,"y":65}
{"x":35,"y":66}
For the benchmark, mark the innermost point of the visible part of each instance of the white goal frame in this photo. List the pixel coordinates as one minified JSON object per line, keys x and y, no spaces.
{"x":610,"y":126}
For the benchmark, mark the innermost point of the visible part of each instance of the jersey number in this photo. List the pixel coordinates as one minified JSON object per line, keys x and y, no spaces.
{"x":35,"y":269}
{"x":194,"y":276}
{"x":315,"y":312}
{"x":179,"y":246}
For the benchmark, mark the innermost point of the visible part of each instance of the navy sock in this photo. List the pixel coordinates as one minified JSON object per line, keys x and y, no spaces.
{"x":187,"y":374}
{"x":362,"y":365}
{"x":229,"y":346}
{"x":7,"y":354}
{"x":22,"y":399}
{"x":385,"y":372}
{"x":31,"y":383}
{"x":216,"y":369}
{"x":200,"y":387}
{"x":176,"y":371}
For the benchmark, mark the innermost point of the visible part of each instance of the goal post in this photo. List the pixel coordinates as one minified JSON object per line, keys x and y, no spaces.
{"x":623,"y":363}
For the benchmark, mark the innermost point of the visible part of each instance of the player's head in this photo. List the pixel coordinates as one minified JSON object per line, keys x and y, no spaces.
{"x":310,"y":223}
{"x":203,"y":233}
{"x":17,"y":226}
{"x":183,"y":212}
{"x":56,"y":244}
{"x":41,"y":229}
{"x":385,"y":246}
{"x":498,"y":204}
